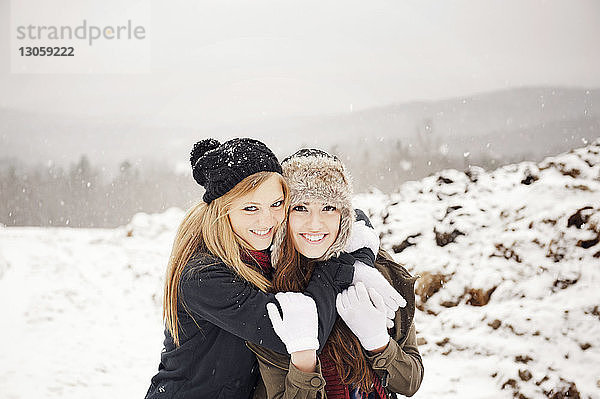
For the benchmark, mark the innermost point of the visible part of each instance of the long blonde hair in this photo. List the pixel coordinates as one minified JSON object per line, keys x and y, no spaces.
{"x":206,"y":228}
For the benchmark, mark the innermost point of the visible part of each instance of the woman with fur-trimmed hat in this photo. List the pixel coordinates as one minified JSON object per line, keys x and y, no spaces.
{"x":366,"y":355}
{"x":219,"y":277}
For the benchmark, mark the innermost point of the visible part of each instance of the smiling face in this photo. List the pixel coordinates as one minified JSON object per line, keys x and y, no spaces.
{"x":313,"y":227}
{"x":256,"y":216}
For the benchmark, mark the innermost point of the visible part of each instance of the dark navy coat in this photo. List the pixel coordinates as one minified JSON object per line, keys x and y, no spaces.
{"x":218,"y":311}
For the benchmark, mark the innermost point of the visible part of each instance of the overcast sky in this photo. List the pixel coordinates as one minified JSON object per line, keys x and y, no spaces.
{"x":223,"y":62}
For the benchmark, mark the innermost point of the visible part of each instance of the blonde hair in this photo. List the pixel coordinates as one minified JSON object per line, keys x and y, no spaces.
{"x":206,"y":228}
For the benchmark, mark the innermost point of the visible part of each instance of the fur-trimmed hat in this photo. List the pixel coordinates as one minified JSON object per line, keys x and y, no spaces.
{"x":314,"y":175}
{"x":220,"y":167}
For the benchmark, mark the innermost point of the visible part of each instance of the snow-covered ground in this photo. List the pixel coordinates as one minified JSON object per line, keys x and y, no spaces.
{"x":509,"y":298}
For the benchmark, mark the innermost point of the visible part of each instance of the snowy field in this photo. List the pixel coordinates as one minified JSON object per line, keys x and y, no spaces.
{"x":509,"y":298}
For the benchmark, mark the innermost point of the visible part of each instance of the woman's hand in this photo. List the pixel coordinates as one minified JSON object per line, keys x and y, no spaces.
{"x":364,"y":312}
{"x":372,"y":279}
{"x":298,"y":326}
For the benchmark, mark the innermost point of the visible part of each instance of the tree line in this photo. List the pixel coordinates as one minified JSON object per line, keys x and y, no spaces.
{"x":82,"y":195}
{"x":386,"y":164}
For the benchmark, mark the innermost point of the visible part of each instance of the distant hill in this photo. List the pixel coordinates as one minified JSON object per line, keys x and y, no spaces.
{"x":548,"y":120}
{"x":535,"y":121}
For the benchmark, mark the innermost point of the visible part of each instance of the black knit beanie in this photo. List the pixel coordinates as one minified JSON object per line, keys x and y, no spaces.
{"x":219,"y":167}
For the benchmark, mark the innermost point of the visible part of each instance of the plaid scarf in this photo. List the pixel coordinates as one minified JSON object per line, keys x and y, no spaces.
{"x":258,"y":258}
{"x":335,"y":389}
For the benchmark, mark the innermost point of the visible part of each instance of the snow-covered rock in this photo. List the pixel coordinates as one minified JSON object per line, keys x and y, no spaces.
{"x":510,"y":266}
{"x":153,"y":226}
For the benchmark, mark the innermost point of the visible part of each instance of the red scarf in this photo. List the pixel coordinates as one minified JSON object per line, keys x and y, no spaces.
{"x":262,"y":258}
{"x":334,"y":388}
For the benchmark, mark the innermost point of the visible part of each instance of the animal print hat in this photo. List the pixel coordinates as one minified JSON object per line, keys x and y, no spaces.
{"x":314,"y":175}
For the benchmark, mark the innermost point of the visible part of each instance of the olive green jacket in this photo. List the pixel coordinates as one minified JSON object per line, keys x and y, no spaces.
{"x":399,"y":366}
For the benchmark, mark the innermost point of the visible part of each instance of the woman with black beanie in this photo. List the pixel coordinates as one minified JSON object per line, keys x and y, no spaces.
{"x":218,"y":278}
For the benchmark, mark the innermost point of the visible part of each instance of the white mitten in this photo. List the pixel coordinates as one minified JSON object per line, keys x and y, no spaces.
{"x":298,"y":328}
{"x":362,"y":236}
{"x":366,"y":319}
{"x":371,"y":278}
